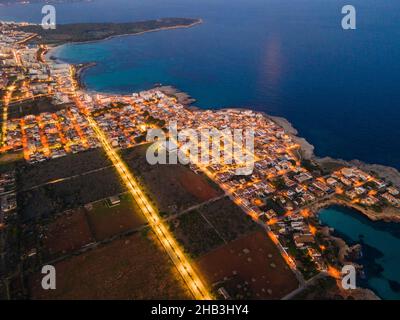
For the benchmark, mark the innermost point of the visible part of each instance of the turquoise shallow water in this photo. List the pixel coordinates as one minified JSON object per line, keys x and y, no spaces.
{"x":380,"y":245}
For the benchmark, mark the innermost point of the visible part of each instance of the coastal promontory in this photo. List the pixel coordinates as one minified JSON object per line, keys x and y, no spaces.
{"x":81,"y":32}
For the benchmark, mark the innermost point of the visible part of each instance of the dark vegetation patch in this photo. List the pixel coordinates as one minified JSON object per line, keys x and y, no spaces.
{"x":79,"y":32}
{"x":53,"y":198}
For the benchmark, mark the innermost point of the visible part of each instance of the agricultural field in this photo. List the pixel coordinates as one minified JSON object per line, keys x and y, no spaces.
{"x":197,"y":185}
{"x":72,"y":165}
{"x":67,"y":233}
{"x":229,"y":219}
{"x":34,"y":106}
{"x":233,"y":252}
{"x":133,"y":267}
{"x":44,"y":201}
{"x":194,"y":233}
{"x":73,"y":230}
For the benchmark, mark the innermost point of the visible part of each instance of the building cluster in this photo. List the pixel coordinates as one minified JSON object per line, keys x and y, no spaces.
{"x":10,"y":34}
{"x":28,"y":75}
{"x":50,"y":135}
{"x":363,"y":189}
{"x":33,"y":83}
{"x":120,"y":119}
{"x":32,"y":79}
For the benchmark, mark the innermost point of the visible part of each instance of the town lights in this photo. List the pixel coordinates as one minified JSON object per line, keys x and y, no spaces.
{"x":170,"y":245}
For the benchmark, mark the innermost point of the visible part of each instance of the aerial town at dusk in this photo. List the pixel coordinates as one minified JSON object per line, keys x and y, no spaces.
{"x":79,"y":194}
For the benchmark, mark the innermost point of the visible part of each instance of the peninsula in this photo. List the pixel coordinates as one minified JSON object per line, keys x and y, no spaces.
{"x":83,"y":32}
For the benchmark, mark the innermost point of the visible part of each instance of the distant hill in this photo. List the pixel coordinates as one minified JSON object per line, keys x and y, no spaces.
{"x":80,"y":32}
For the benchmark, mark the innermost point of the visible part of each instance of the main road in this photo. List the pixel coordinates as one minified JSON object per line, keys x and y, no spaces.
{"x":191,"y":278}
